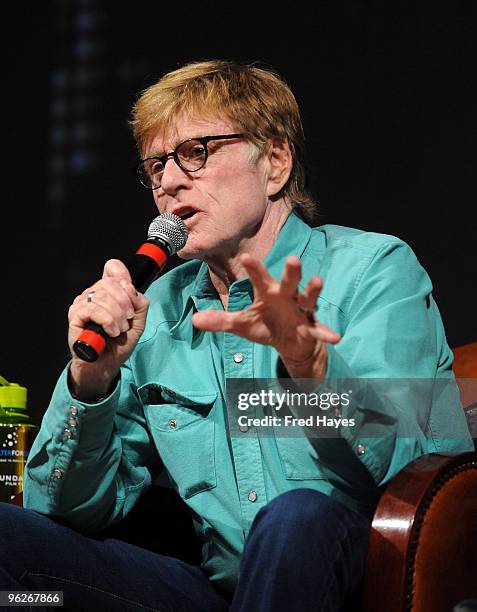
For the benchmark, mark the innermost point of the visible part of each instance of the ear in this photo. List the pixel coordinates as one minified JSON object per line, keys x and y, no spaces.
{"x":280,"y":165}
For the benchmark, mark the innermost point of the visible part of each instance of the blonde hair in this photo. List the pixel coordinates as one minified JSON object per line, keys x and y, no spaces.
{"x":257,"y":101}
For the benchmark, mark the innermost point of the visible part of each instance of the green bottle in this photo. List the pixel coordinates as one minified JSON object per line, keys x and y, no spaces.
{"x":17,"y":433}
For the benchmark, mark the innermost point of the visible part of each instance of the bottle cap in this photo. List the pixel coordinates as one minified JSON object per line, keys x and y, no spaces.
{"x":12,"y":395}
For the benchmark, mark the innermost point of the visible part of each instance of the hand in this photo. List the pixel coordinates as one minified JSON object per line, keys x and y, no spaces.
{"x":280,"y":316}
{"x":121,"y":311}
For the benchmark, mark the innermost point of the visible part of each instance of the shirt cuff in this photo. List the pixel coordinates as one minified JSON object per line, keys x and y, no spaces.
{"x":70,"y":420}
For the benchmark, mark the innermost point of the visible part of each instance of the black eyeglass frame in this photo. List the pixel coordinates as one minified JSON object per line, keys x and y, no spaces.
{"x":204,"y":140}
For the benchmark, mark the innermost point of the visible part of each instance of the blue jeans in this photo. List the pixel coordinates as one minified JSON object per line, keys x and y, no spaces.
{"x":305,"y":552}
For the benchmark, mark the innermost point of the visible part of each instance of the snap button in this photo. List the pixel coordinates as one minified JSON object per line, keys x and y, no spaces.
{"x":68,"y":433}
{"x":252,"y":496}
{"x":243,"y":428}
{"x":57,"y":473}
{"x":73,"y":410}
{"x":361,"y":449}
{"x":173,"y":423}
{"x":72,"y":422}
{"x":238,"y":357}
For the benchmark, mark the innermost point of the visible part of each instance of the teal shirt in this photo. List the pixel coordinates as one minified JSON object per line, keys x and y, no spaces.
{"x":91,"y":462}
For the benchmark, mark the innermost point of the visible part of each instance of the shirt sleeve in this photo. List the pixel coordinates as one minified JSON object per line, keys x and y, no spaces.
{"x":393,"y":368}
{"x":91,"y":462}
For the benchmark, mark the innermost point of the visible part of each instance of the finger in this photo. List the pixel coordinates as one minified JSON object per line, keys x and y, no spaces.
{"x":257,"y":272}
{"x":311,"y":293}
{"x":115,"y":268}
{"x":110,"y":290}
{"x":291,"y":277}
{"x":120,"y":290}
{"x":113,"y":298}
{"x":214,"y":320}
{"x":322,"y":332}
{"x":139,"y":301}
{"x":120,"y":298}
{"x":82,"y":313}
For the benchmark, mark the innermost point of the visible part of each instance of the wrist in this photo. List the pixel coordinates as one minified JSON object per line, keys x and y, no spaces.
{"x":313,"y":366}
{"x":89,"y":390}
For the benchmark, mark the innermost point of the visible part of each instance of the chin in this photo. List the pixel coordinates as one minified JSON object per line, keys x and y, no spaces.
{"x":190,"y":252}
{"x":202,"y":250}
{"x":185,"y":256}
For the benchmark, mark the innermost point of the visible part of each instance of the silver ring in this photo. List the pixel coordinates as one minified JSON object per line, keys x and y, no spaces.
{"x":89,"y":296}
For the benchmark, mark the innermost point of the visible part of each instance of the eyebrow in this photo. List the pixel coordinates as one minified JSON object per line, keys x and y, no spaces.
{"x":161,"y":152}
{"x":157,"y":154}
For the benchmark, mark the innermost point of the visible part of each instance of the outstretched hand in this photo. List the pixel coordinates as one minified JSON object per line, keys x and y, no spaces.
{"x":279,"y":316}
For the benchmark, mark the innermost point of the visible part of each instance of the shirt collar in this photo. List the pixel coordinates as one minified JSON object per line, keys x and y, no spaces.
{"x":202,"y":289}
{"x":292,"y":240}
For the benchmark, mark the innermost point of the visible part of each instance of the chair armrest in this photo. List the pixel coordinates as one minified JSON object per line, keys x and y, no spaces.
{"x":422,"y":552}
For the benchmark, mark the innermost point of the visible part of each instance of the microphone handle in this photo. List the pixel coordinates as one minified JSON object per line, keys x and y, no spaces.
{"x":147,"y":263}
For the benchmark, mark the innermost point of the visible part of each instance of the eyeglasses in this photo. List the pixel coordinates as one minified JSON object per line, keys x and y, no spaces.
{"x":189,"y":155}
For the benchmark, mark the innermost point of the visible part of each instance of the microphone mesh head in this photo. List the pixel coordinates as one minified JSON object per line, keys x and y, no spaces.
{"x":170,"y":228}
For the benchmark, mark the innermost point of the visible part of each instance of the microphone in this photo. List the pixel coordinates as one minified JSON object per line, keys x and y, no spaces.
{"x":166,"y":235}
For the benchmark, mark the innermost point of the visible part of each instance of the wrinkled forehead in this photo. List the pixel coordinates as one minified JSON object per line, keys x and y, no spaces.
{"x":183,"y":126}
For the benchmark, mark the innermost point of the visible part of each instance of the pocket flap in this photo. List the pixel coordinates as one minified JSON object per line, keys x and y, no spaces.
{"x":154,"y":393}
{"x":173,"y":409}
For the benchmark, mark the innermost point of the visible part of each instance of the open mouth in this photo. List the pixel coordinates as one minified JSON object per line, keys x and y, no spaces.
{"x":187,"y":215}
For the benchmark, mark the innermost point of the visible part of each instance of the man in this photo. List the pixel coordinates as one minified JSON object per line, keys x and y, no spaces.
{"x":283,"y":515}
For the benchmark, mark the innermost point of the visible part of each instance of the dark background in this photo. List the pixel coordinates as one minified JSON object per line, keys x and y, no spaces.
{"x":387,"y":92}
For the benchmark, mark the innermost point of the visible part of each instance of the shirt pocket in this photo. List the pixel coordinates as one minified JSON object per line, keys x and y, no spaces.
{"x":183,"y":427}
{"x":298,"y":457}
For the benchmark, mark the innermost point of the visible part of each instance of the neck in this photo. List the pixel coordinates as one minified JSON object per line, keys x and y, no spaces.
{"x":227,"y":269}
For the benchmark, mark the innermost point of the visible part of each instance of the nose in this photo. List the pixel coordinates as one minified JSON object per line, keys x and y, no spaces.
{"x":173,"y":177}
